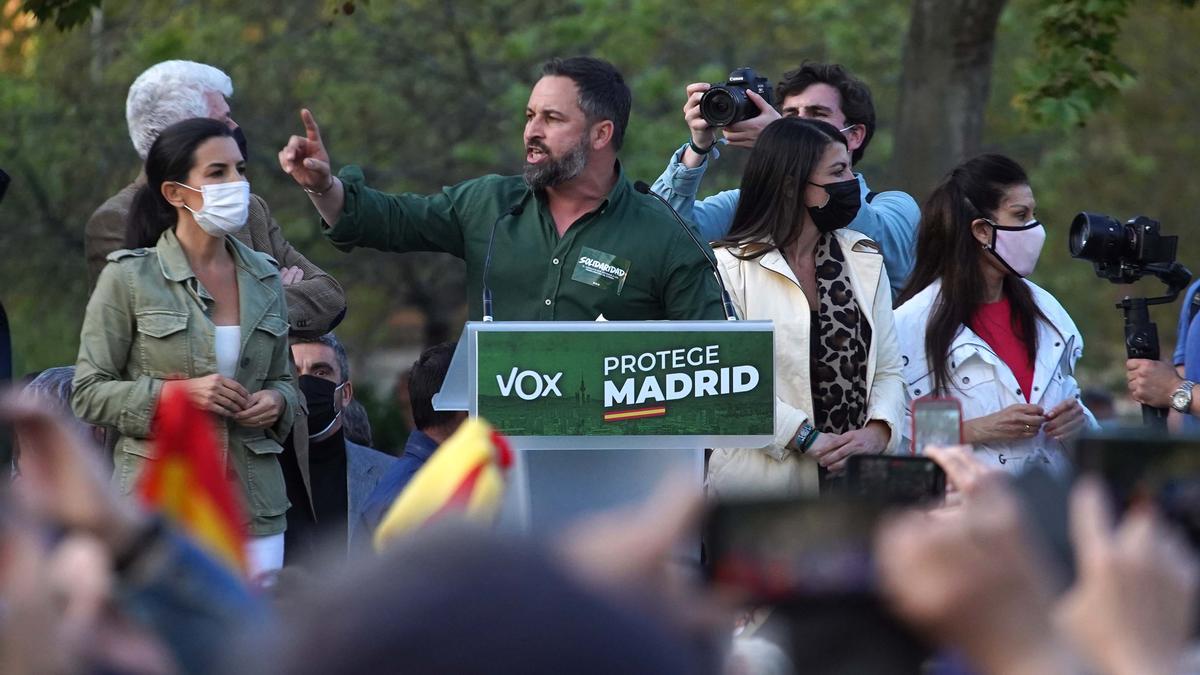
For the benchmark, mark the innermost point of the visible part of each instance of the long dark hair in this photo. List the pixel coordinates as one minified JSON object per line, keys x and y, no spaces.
{"x":771,"y":205}
{"x":947,"y":250}
{"x":171,"y":158}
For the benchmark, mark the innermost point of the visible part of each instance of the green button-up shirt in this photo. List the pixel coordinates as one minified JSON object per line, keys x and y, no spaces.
{"x":628,"y":260}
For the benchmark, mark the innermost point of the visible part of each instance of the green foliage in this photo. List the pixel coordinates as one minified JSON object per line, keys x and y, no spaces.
{"x":1078,"y":68}
{"x":65,"y":14}
{"x":425,"y":93}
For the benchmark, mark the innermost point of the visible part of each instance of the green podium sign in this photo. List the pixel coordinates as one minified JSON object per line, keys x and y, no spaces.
{"x":626,"y":382}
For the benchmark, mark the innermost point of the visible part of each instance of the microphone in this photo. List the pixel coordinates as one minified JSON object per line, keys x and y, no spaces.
{"x":730,"y":312}
{"x":514,"y":210}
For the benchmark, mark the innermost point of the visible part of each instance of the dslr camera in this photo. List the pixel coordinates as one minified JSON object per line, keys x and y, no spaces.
{"x":726,"y":103}
{"x":1121,"y":252}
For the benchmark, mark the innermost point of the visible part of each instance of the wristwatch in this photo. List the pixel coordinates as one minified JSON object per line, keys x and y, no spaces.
{"x":1181,"y":399}
{"x":805,"y":437}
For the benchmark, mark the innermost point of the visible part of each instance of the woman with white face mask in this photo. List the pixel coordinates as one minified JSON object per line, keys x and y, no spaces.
{"x":187,"y":307}
{"x":973,"y":328}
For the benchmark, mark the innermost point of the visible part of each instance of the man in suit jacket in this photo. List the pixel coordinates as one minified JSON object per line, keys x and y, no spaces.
{"x":343,"y":473}
{"x":171,"y":92}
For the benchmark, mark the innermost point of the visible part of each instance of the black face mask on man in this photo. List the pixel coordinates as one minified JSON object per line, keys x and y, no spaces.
{"x":324,"y":405}
{"x":841,"y":208}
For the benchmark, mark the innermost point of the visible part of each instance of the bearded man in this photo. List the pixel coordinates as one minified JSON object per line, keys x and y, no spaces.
{"x":604,"y":249}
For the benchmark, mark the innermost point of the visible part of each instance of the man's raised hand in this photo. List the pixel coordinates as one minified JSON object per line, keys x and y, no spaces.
{"x":304,"y":157}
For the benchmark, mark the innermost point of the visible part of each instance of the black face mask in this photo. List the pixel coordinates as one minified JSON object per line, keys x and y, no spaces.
{"x":239,"y":137}
{"x":324,"y":408}
{"x":842,"y":207}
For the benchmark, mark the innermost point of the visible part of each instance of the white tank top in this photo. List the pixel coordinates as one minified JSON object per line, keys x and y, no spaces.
{"x":228,"y":347}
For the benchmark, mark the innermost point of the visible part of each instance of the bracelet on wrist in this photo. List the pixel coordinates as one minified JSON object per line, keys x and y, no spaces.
{"x":805,"y":436}
{"x":812,"y":438}
{"x":322,"y":192}
{"x":699,"y":150}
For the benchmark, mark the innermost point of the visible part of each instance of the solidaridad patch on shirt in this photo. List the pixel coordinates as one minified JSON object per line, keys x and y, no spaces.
{"x":600,"y":269}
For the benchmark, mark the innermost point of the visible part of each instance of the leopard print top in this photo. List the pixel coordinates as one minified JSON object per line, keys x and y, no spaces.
{"x":841,"y":340}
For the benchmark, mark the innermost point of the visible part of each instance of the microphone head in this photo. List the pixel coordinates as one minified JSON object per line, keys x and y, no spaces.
{"x":641,"y":187}
{"x":517,"y":209}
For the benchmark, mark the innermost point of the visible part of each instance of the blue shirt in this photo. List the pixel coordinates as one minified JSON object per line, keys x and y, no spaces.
{"x":1187,"y":345}
{"x":417,"y":451}
{"x":890,"y":218}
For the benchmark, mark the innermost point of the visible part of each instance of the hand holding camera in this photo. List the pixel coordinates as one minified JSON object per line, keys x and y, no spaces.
{"x":743,"y":106}
{"x":1151,"y":382}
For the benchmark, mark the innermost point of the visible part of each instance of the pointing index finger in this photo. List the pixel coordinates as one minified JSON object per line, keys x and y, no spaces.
{"x":311,"y":130}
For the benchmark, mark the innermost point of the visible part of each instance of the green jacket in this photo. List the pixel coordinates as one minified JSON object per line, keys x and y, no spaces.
{"x":147,"y":321}
{"x":628,"y":260}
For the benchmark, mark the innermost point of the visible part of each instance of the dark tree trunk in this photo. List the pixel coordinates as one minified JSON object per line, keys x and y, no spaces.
{"x":944,"y":89}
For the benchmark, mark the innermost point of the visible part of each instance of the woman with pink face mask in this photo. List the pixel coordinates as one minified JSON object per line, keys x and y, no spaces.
{"x":973,"y":328}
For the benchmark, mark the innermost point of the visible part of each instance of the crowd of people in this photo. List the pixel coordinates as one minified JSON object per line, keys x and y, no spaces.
{"x":875,"y":302}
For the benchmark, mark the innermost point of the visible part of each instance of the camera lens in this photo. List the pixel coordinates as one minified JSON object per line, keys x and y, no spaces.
{"x":1097,"y":238}
{"x":720,"y":106}
{"x":1079,"y":235}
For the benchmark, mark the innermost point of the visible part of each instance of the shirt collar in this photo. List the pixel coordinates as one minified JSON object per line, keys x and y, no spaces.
{"x":619,"y":190}
{"x":420,"y":445}
{"x":174,"y":264}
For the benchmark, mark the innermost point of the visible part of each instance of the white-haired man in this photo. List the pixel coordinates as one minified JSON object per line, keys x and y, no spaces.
{"x":173,"y":91}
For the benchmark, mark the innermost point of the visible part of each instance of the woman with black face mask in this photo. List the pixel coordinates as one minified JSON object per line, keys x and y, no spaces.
{"x":788,"y":258}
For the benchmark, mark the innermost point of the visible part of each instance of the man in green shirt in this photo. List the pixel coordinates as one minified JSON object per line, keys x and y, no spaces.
{"x":573,"y":240}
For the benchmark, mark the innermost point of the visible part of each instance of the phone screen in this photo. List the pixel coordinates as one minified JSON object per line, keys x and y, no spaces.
{"x":936,"y":422}
{"x":898,"y":481}
{"x":779,"y":550}
{"x":812,"y":561}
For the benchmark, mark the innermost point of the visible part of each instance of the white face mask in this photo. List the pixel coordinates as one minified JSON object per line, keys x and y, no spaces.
{"x":1018,"y":248}
{"x":226,"y":207}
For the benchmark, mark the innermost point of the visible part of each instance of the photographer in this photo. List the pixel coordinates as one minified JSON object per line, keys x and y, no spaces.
{"x":973,"y":328}
{"x":821,"y":91}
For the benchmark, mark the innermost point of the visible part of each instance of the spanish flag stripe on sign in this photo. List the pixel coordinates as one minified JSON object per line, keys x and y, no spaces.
{"x":640,"y":413}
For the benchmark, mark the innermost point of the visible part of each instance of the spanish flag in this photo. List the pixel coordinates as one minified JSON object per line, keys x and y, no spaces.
{"x":464,"y":477}
{"x":187,"y":483}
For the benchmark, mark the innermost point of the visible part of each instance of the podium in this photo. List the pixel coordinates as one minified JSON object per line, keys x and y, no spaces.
{"x":598,"y":412}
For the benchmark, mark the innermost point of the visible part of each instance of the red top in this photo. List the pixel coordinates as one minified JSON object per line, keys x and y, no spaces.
{"x":994,"y":323}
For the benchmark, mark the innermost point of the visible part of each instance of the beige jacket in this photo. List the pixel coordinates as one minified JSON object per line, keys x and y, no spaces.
{"x":766,"y":289}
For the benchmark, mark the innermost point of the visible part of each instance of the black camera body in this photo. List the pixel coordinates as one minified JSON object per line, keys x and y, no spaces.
{"x":726,"y":103}
{"x":1121,"y":252}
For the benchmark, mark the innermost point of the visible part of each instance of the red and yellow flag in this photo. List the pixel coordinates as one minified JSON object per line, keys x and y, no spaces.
{"x":465,"y":477}
{"x":187,"y":484}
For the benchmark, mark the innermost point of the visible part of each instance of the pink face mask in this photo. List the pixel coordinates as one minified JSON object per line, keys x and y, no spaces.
{"x":1018,"y":248}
